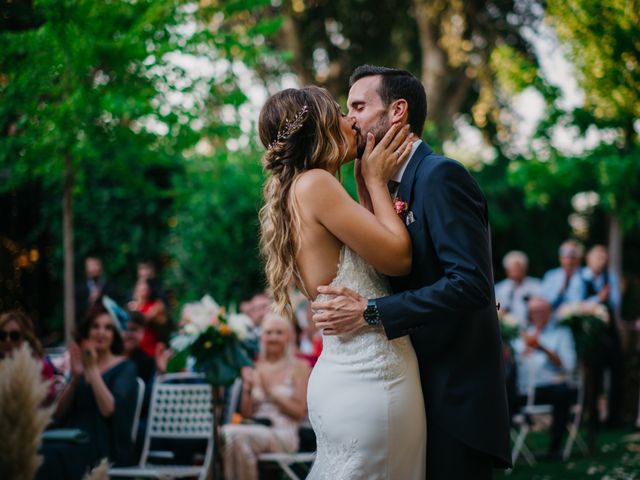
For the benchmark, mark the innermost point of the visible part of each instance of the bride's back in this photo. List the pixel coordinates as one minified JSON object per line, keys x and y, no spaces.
{"x":318,"y":250}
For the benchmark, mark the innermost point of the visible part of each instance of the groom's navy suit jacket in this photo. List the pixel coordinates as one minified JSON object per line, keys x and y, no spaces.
{"x":447,"y":306}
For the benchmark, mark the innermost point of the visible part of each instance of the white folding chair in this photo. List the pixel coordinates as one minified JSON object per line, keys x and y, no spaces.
{"x":531,"y":409}
{"x":136,"y":416}
{"x":177,"y":411}
{"x":574,"y":427}
{"x":521,"y":419}
{"x":285,"y":460}
{"x":181,"y":377}
{"x":178,"y":377}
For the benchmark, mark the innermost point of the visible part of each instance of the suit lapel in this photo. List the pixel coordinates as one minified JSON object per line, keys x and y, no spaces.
{"x":405,"y":191}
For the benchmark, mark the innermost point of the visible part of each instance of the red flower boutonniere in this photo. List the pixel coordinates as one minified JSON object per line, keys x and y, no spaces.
{"x":400,"y":206}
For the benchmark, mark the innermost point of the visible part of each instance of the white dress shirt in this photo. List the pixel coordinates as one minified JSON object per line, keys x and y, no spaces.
{"x":513,"y":297}
{"x":398,"y":175}
{"x":534,"y":367}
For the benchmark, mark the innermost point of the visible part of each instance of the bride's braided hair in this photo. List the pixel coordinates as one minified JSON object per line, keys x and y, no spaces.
{"x":300,"y":128}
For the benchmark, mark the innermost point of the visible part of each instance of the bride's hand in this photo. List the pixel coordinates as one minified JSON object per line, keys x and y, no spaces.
{"x":363,"y":192}
{"x":381,"y":161}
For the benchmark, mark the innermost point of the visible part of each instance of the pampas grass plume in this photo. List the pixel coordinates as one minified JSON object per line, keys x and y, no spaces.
{"x":22,"y":417}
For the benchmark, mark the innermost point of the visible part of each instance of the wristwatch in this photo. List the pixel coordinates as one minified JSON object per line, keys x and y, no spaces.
{"x":371,"y":314}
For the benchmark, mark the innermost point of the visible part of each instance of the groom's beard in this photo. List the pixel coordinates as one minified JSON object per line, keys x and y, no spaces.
{"x":379,"y":130}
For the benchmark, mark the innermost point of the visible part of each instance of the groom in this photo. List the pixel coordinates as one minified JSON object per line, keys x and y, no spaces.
{"x":446,"y":303}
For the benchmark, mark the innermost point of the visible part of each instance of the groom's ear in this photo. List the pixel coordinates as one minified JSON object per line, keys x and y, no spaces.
{"x":399,"y":110}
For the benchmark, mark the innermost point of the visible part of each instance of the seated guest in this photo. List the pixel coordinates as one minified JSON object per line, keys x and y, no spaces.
{"x":15,"y":329}
{"x":274,"y":396}
{"x":546,"y":357}
{"x":514,"y":291}
{"x":564,"y":284}
{"x":157,"y":325}
{"x":99,"y":399}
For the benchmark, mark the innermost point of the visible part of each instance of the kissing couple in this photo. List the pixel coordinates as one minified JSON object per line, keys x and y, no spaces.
{"x":410,"y":382}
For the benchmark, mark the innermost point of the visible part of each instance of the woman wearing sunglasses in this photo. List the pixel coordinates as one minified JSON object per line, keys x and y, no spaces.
{"x":17,"y":328}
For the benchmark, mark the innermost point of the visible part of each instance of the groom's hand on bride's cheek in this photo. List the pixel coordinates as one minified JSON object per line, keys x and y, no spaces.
{"x":341,"y":314}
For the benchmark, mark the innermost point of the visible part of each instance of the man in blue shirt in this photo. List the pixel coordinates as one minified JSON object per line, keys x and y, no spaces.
{"x":546,"y":359}
{"x":564,"y":284}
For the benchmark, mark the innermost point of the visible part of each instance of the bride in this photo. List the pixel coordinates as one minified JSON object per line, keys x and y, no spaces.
{"x":364,"y":395}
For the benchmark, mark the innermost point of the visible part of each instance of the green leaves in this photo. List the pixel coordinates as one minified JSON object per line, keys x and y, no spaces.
{"x":214,"y":243}
{"x":102,"y":83}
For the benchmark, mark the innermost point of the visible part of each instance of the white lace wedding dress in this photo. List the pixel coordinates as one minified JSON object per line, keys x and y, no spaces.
{"x":365,"y":399}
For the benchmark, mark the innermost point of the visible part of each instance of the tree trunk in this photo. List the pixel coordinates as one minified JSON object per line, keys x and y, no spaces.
{"x":67,"y":236}
{"x":290,"y":39}
{"x":434,"y":59}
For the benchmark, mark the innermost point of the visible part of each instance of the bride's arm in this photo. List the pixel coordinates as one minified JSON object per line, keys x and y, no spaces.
{"x":381,"y":239}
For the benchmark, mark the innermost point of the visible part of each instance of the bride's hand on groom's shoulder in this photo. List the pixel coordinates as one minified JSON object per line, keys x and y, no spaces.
{"x":380,"y":162}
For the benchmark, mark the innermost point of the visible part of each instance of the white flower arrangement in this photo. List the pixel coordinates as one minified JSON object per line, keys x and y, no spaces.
{"x":509,"y":326}
{"x":218,"y":344}
{"x":583,"y":309}
{"x":587,"y":321}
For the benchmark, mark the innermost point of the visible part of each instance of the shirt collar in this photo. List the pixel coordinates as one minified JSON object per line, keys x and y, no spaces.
{"x":398,"y":175}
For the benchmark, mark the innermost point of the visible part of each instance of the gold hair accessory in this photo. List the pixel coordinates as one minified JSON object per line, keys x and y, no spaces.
{"x":290,"y":127}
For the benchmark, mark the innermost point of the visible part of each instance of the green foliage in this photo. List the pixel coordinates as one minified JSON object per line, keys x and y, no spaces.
{"x":602,"y":41}
{"x":512,"y":218}
{"x":214,"y":243}
{"x":447,"y":44}
{"x":97,"y":82}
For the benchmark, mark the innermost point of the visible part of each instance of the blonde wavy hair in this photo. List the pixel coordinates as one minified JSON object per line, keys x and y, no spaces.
{"x":300,"y":128}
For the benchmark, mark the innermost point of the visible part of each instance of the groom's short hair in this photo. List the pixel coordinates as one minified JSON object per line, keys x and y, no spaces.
{"x":396,"y":84}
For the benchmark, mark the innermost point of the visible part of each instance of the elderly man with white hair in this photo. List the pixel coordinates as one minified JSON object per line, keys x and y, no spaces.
{"x":514,"y":291}
{"x":564,"y":284}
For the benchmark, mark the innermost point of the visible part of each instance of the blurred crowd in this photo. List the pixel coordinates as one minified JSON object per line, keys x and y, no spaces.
{"x":120,"y":348}
{"x":542,"y":362}
{"x":121,"y":345}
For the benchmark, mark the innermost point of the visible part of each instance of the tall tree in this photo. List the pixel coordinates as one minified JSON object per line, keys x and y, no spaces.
{"x":85,"y":92}
{"x":447,"y":43}
{"x":600,"y":41}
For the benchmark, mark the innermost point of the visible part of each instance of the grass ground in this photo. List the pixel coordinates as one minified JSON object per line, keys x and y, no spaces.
{"x":617,"y":458}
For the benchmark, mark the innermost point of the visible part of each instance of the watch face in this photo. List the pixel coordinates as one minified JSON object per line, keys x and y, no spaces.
{"x":371,"y":315}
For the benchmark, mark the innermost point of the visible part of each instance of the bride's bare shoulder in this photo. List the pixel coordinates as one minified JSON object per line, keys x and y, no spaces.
{"x":314,"y":178}
{"x":317,"y":191}
{"x":315,"y":183}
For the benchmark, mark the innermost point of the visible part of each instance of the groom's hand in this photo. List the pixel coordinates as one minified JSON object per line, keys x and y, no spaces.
{"x":342,"y":314}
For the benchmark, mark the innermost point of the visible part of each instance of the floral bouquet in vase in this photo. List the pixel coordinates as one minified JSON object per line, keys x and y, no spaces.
{"x":218,"y":343}
{"x":509,"y":327}
{"x":588,"y":322}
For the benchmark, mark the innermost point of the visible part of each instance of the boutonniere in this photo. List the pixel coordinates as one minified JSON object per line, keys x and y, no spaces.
{"x":400,"y":206}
